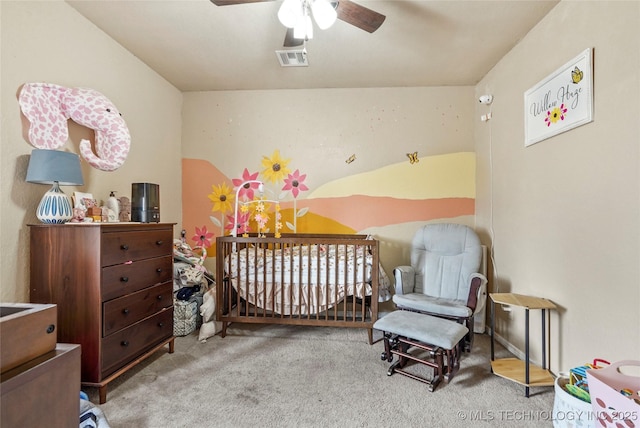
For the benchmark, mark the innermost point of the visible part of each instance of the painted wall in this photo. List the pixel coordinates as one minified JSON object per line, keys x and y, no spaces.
{"x":351,"y":145}
{"x":49,"y":41}
{"x":563,"y":215}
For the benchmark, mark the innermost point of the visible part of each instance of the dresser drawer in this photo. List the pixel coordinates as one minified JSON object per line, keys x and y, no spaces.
{"x":124,"y":345}
{"x":122,"y":279}
{"x":121,"y":247}
{"x":124,"y":311}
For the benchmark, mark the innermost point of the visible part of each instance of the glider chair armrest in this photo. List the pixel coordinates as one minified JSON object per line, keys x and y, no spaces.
{"x":405,"y":277}
{"x":477,"y":292}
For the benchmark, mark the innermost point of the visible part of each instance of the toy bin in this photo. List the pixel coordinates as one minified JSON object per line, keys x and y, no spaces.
{"x":615,"y":396}
{"x":568,"y":410}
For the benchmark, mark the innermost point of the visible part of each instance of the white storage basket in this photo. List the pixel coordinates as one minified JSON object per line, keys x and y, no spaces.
{"x":570,"y":411}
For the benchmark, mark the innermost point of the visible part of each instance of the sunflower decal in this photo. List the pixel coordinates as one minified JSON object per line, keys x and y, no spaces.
{"x":275,"y":168}
{"x":222,"y":198}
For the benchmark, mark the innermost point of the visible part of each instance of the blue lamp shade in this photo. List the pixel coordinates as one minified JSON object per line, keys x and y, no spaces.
{"x":56,"y":168}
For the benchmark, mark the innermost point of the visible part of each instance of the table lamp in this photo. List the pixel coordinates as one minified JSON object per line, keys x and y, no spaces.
{"x":57,"y":168}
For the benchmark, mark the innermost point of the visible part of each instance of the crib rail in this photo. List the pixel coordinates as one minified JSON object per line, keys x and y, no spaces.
{"x":300,"y":279}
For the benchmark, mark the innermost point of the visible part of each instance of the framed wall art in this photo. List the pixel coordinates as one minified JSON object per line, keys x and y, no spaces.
{"x":560,"y":102}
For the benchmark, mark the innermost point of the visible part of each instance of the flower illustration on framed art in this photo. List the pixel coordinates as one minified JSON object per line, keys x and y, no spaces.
{"x":555,"y":114}
{"x":560,"y":102}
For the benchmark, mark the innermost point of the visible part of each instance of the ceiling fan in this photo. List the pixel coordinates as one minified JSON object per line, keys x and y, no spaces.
{"x":296,"y":16}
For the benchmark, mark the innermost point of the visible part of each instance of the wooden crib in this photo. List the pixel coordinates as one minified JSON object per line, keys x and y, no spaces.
{"x":300,"y":279}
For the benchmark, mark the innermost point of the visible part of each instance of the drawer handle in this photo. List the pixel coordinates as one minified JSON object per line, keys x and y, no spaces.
{"x":125,"y":311}
{"x":159,"y":297}
{"x":160,"y":324}
{"x":124,"y":343}
{"x":51,"y":328}
{"x":159,"y":242}
{"x":124,"y":247}
{"x":159,"y":270}
{"x":124,"y":279}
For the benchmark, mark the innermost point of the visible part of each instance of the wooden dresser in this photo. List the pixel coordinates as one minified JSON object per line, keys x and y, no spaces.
{"x":113,"y":284}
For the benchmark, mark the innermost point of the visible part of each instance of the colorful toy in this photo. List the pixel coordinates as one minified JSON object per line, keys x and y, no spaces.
{"x":578,"y":385}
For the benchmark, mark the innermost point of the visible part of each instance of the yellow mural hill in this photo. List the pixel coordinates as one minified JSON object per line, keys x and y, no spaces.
{"x":433,"y":177}
{"x":314,"y":223}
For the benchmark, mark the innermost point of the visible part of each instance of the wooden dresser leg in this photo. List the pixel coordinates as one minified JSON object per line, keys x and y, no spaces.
{"x":102,"y":391}
{"x":370,"y":332}
{"x":172,"y":345}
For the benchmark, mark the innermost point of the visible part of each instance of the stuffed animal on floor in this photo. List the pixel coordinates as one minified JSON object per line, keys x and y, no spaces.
{"x":48,"y":107}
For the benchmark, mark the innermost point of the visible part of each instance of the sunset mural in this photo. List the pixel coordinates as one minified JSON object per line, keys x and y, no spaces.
{"x":437,"y":188}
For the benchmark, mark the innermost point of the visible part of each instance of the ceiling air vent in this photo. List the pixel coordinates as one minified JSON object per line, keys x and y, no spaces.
{"x":293,"y":58}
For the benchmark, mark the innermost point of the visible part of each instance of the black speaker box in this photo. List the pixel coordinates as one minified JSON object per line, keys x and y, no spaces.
{"x":145,"y":202}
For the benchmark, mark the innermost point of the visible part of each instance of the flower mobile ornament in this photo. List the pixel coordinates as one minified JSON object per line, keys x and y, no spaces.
{"x":242,"y":214}
{"x":261,"y":217}
{"x":275,"y":170}
{"x":244,"y":219}
{"x":236,"y":217}
{"x":245,"y":187}
{"x":278,"y":221}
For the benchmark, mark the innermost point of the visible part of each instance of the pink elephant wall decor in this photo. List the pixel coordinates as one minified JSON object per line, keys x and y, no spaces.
{"x":48,"y":107}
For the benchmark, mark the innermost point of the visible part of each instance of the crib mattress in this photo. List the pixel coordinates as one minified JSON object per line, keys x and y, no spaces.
{"x":305,"y":279}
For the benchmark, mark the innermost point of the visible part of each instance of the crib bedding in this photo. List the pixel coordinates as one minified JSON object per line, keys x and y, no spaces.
{"x":304,"y":279}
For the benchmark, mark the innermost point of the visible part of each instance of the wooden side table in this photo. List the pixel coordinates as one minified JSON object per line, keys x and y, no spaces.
{"x":43,"y":392}
{"x":523,"y":372}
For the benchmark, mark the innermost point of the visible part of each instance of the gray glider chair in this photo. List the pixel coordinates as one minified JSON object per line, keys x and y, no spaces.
{"x":443,"y":279}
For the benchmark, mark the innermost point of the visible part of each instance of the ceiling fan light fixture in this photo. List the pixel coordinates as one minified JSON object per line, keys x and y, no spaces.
{"x":303,"y":28}
{"x":324,"y":13}
{"x":290,"y":13}
{"x":296,"y":14}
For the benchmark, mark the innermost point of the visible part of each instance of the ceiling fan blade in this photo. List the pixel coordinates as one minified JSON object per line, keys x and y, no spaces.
{"x":232,"y":2}
{"x":359,"y":16}
{"x":348,"y":11}
{"x":290,"y":41}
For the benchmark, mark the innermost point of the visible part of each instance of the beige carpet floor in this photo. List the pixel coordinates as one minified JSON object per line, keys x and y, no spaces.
{"x":291,"y":376}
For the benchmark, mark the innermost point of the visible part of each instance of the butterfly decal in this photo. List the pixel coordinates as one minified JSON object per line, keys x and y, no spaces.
{"x":576,"y":75}
{"x":351,"y":158}
{"x":413,"y":157}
